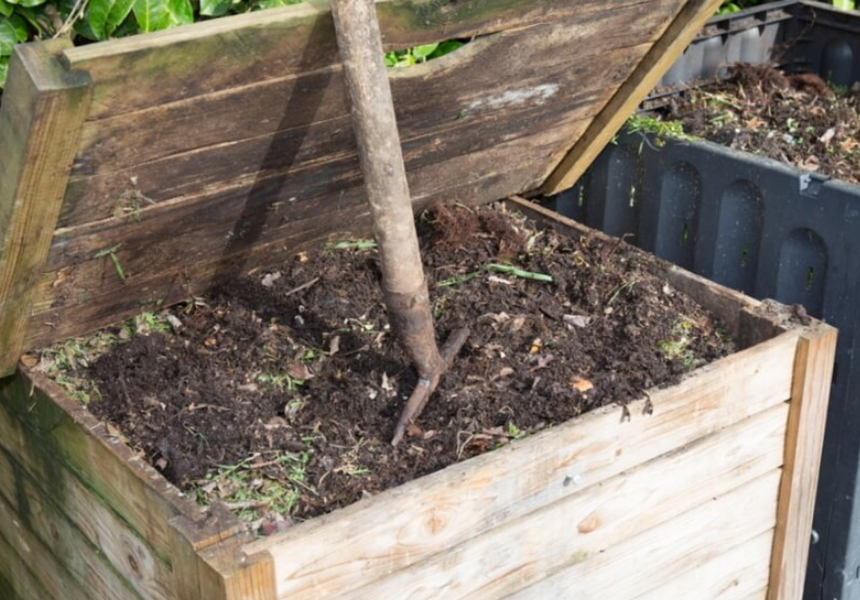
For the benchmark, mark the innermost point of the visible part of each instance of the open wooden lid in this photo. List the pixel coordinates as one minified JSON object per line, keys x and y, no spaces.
{"x":139,"y":172}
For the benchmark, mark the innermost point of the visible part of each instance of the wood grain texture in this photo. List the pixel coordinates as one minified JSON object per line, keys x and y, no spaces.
{"x":90,"y":474}
{"x":17,"y":581}
{"x":43,"y":571}
{"x":497,"y":88}
{"x":112,"y":564}
{"x":736,"y":574}
{"x":150,"y":70}
{"x":695,"y":537}
{"x":39,"y":128}
{"x":241,"y":230}
{"x":810,"y":393}
{"x":409,"y":524}
{"x":660,"y":58}
{"x":522,"y":552}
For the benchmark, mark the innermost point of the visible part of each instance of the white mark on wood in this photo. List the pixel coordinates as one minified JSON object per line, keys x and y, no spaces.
{"x":536,"y":96}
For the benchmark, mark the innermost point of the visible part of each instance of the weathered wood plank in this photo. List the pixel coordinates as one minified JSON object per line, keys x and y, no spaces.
{"x":46,"y":523}
{"x":464,"y":501}
{"x":39,"y":129}
{"x":42,"y":569}
{"x":810,"y":392}
{"x":142,"y":71}
{"x":489,"y":98}
{"x":735,"y":575}
{"x":242,"y":229}
{"x":112,"y":562}
{"x":17,"y":582}
{"x":49,"y":434}
{"x":660,"y":58}
{"x":520,"y":553}
{"x":684,"y":542}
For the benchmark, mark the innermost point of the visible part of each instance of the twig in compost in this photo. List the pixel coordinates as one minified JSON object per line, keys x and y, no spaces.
{"x":302,"y":287}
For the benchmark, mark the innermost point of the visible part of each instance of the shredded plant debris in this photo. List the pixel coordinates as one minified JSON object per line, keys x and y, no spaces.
{"x":797,"y":119}
{"x":278,"y":394}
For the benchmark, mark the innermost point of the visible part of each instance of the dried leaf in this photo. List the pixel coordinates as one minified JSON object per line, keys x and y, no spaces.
{"x":583,"y":385}
{"x":576,"y":320}
{"x":299,"y":370}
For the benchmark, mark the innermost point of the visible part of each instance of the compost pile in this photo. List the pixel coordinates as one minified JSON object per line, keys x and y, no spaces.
{"x":279,"y":394}
{"x":796,"y":119}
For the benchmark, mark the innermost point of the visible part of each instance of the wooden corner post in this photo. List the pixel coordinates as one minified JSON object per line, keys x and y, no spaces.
{"x":813,"y":372}
{"x":44,"y":107}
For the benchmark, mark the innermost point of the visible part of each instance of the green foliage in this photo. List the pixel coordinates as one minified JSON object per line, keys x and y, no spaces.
{"x":421,"y":54}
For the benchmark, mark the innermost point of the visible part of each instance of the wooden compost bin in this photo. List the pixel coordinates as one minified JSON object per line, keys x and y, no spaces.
{"x":701,"y":490}
{"x":195,"y":155}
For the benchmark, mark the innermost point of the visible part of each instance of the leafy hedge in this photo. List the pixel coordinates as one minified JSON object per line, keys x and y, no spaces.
{"x":95,"y":20}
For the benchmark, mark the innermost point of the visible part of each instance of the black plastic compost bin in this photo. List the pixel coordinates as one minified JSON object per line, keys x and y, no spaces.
{"x":762,"y":227}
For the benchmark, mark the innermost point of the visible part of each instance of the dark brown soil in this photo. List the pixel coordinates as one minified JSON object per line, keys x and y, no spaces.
{"x":290,"y":385}
{"x":795,"y":119}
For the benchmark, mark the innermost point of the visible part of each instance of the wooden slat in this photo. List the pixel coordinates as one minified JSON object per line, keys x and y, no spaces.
{"x":735,"y":575}
{"x":47,"y":571}
{"x":62,"y":445}
{"x":39,"y":128}
{"x":17,"y":582}
{"x":642,"y":562}
{"x":150,"y":70}
{"x":810,"y":392}
{"x":239,"y":230}
{"x":46,"y":523}
{"x":258,"y":131}
{"x":406,"y":525}
{"x":525,"y":551}
{"x":661,"y":57}
{"x":112,"y":563}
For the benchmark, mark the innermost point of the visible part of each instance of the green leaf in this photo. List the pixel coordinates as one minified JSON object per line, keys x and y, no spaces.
{"x":151,"y":15}
{"x":8,"y":37}
{"x":30,"y":3}
{"x":422,"y":52}
{"x":19,"y":25}
{"x":844,"y":4}
{"x":4,"y":67}
{"x":104,"y":16}
{"x":180,"y":11}
{"x":447,"y":48}
{"x":214,"y":8}
{"x":6,"y":8}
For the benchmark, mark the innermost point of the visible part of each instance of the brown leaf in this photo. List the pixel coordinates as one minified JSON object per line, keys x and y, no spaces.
{"x":583,"y":385}
{"x":29,"y":361}
{"x":299,"y":370}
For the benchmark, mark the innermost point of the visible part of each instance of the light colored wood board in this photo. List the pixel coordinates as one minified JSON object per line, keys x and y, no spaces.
{"x":642,"y":562}
{"x":522,"y":552}
{"x":503,"y":87}
{"x":46,"y":523}
{"x":51,"y":435}
{"x":810,"y":393}
{"x":17,"y":581}
{"x":735,"y":575}
{"x":227,"y":572}
{"x":463,"y":501}
{"x":40,"y":131}
{"x":734,"y":310}
{"x":759,"y":595}
{"x":49,"y":572}
{"x":148,"y":70}
{"x":660,"y":58}
{"x":223,"y":240}
{"x":112,"y":560}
